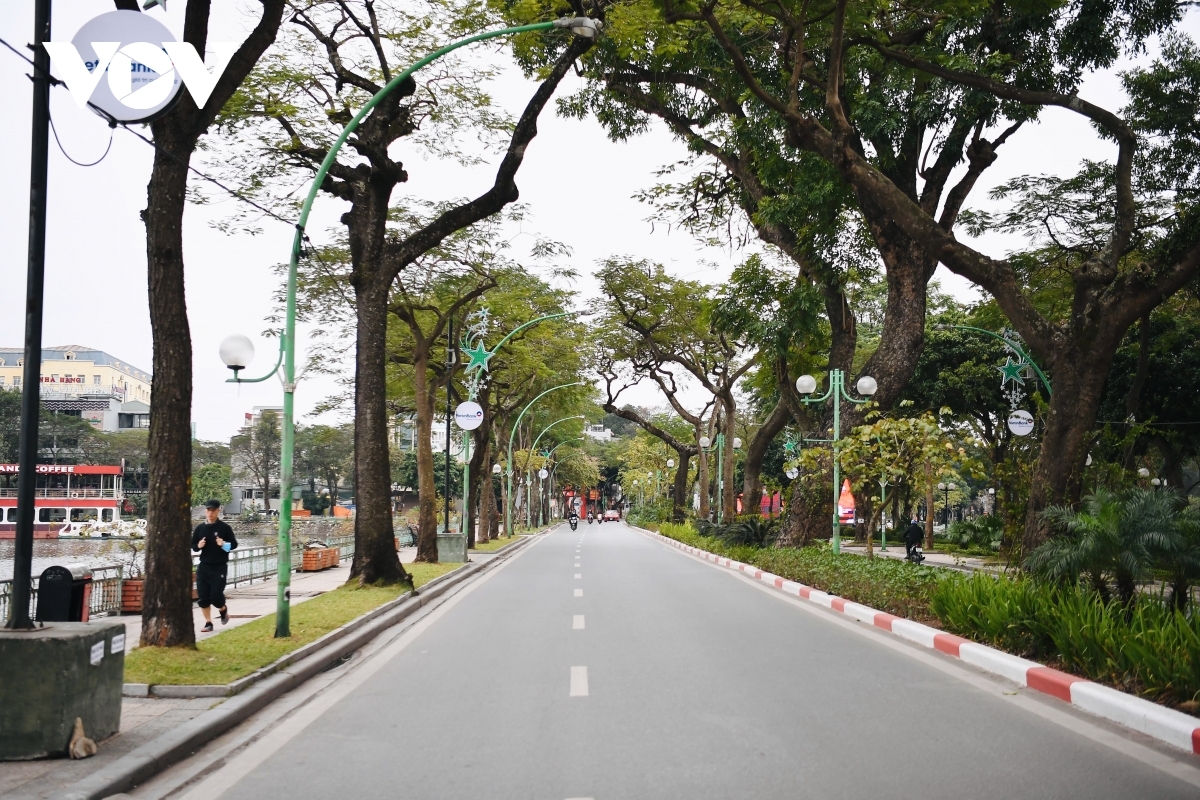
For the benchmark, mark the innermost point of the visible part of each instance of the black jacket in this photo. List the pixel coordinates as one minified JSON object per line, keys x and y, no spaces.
{"x":914,"y":534}
{"x":210,"y":551}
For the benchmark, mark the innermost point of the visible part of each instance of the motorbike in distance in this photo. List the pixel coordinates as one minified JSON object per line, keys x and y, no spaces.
{"x":573,"y":521}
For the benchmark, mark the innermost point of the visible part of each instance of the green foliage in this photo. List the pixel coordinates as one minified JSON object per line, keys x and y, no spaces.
{"x":1148,"y":649}
{"x":886,"y":584}
{"x":1112,"y":536}
{"x":404,"y":472}
{"x":982,"y":534}
{"x":211,"y":482}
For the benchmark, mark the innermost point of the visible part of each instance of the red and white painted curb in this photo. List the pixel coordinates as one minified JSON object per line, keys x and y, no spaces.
{"x":1166,"y":725}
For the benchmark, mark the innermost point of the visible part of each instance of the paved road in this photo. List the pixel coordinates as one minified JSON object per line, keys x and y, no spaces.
{"x":602,"y":664}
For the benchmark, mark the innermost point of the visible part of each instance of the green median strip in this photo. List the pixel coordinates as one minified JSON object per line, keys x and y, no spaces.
{"x":238,"y":652}
{"x":495,"y":544}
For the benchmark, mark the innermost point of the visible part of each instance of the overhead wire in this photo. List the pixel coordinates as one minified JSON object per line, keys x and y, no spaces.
{"x":113,"y":122}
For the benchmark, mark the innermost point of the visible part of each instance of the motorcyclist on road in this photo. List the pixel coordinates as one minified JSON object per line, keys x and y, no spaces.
{"x":913,"y":536}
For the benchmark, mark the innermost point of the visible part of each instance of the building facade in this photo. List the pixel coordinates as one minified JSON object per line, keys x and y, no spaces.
{"x":111,"y":394}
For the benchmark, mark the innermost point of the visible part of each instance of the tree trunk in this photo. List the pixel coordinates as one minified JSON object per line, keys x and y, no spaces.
{"x":487,"y":495}
{"x":167,"y":594}
{"x":702,"y":479}
{"x":1078,"y":386}
{"x":375,"y":557}
{"x":680,"y":490}
{"x":426,"y":479}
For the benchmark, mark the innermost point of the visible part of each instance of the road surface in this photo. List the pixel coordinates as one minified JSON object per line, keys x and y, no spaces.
{"x":602,"y":664}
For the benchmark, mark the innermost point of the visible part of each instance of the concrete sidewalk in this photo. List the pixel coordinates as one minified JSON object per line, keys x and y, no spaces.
{"x":932,"y":559}
{"x":250,"y":601}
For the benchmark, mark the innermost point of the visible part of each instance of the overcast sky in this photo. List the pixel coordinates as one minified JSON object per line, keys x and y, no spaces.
{"x":577,"y":184}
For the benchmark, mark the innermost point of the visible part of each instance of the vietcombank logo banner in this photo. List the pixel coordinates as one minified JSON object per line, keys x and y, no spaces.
{"x":129,"y":65}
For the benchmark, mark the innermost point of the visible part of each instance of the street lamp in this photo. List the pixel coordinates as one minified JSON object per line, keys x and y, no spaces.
{"x":580,"y":26}
{"x":719,"y":445}
{"x":866,"y":386}
{"x":947,"y":488}
{"x":535,"y":444}
{"x":512,"y":435}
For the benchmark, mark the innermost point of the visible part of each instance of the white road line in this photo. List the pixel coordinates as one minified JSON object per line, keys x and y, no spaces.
{"x":577,"y":622}
{"x":578,"y":575}
{"x":579,"y":592}
{"x":579,"y":687}
{"x":577,"y":563}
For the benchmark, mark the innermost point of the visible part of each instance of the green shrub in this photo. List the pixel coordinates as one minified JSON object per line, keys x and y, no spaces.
{"x":981,"y":534}
{"x":886,"y":584}
{"x":1147,"y":648}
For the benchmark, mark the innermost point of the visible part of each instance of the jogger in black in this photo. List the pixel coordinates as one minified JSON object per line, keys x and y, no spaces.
{"x":213,"y":539}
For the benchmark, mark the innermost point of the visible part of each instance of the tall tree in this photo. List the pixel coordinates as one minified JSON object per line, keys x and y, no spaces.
{"x":1124,"y":256}
{"x":256,"y":454}
{"x":346,"y":52}
{"x":167,"y":602}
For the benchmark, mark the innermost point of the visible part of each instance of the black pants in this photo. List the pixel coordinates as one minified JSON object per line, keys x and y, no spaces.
{"x":210,"y":585}
{"x":908,"y":546}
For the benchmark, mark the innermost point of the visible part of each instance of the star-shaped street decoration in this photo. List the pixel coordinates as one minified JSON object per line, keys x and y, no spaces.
{"x":1011,"y":371}
{"x":789,"y":446}
{"x":478,"y":357}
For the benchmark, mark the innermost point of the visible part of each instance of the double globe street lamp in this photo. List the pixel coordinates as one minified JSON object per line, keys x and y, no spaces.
{"x":807,"y":385}
{"x":718,"y":444}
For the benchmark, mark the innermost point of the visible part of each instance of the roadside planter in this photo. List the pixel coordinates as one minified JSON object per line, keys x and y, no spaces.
{"x":131,"y":595}
{"x":318,"y":558}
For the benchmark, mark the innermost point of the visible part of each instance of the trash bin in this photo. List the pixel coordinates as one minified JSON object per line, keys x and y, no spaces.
{"x":64,"y":594}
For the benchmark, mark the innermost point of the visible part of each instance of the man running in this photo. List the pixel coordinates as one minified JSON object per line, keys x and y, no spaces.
{"x":213,"y":539}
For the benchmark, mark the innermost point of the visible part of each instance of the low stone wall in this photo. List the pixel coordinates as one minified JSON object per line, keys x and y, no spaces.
{"x":303,"y":528}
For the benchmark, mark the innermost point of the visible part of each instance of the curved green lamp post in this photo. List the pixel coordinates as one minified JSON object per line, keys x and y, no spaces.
{"x":581,"y":26}
{"x":508,"y":501}
{"x":1010,"y":370}
{"x":533,"y":449}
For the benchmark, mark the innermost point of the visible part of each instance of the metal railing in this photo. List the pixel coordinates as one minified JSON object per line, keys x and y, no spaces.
{"x":250,"y":564}
{"x":246,"y":565}
{"x":64,"y":494}
{"x":105,"y":597}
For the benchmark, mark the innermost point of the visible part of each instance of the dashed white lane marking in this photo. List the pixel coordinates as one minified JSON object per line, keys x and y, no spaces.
{"x":578,"y":575}
{"x":577,"y":563}
{"x":579,"y":687}
{"x":577,"y":622}
{"x":579,"y":592}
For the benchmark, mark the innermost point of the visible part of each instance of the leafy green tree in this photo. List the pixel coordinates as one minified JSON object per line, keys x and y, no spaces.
{"x":324,"y":453}
{"x":341,"y":54}
{"x":166,"y":601}
{"x":210,"y":453}
{"x":212,"y":482}
{"x":10,"y":425}
{"x":256,"y":455}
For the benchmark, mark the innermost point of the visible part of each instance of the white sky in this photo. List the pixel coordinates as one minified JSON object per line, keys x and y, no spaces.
{"x":577,"y":184}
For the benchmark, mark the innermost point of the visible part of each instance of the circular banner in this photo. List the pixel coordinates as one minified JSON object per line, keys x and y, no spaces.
{"x":1020,"y":423}
{"x":141,"y":78}
{"x":468,"y":415}
{"x":543,"y":474}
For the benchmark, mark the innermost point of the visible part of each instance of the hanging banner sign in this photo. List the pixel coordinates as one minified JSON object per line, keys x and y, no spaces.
{"x":543,"y":474}
{"x":1020,"y":423}
{"x":144,"y":65}
{"x":468,"y":415}
{"x":846,"y":505}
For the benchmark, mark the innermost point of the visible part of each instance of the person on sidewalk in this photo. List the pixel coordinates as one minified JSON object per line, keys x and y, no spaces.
{"x":913,"y":536}
{"x":213,"y":539}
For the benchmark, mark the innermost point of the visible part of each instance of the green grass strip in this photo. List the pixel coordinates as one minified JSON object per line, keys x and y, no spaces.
{"x":495,"y":544}
{"x":241,"y":650}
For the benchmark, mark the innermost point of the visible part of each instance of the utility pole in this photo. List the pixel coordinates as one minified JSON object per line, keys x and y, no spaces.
{"x":18,"y":615}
